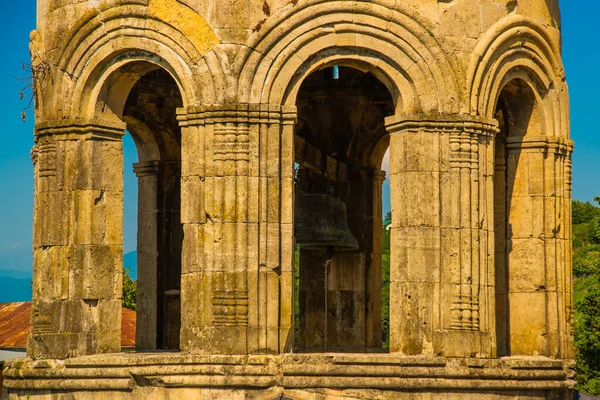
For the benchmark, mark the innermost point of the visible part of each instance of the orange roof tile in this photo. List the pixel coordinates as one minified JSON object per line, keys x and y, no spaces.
{"x":128,"y":319}
{"x":14,"y":325}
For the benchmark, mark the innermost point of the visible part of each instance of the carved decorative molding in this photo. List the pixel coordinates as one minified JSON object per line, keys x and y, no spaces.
{"x":46,"y":156}
{"x":464,"y":149}
{"x":230,"y":308}
{"x":292,"y":371}
{"x":148,"y":168}
{"x":553,"y":144}
{"x":237,"y":113}
{"x":569,"y":171}
{"x":465,"y":312}
{"x":232,"y":143}
{"x":74,"y":129}
{"x":442,"y":123}
{"x":40,"y":322}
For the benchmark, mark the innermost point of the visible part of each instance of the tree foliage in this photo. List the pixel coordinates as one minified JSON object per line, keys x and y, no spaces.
{"x":129,"y":291}
{"x":586,"y":269}
{"x":586,"y":261}
{"x":587,"y":341}
{"x":584,"y":212}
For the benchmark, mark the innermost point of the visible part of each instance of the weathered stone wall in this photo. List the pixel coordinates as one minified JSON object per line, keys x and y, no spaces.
{"x":476,"y":122}
{"x":457,"y":19}
{"x":67,"y":28}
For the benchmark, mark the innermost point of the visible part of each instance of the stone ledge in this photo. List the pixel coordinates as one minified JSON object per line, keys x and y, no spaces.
{"x":126,"y":371}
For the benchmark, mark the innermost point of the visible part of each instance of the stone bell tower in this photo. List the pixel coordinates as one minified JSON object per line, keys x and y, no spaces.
{"x":242,"y":110}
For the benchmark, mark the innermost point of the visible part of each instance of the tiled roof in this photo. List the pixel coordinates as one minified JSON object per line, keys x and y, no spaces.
{"x":14,"y":325}
{"x":127,"y":327}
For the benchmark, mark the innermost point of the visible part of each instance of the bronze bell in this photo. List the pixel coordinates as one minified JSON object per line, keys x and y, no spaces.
{"x":302,"y":227}
{"x":349,"y":242}
{"x":320,"y":223}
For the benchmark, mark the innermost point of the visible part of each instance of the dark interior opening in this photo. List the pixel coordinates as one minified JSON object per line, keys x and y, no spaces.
{"x":150,"y":112}
{"x":338,"y":303}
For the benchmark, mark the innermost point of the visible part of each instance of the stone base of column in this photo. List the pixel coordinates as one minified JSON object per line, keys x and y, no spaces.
{"x":460,"y":343}
{"x":215,"y":339}
{"x":72,"y":328}
{"x":298,"y":376}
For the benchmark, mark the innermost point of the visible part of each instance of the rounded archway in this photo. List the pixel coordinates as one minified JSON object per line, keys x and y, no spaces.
{"x":146,"y":97}
{"x":521,"y":226}
{"x":338,"y":153}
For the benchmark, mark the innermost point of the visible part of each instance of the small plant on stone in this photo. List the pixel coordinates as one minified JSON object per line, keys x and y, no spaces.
{"x":37,"y":74}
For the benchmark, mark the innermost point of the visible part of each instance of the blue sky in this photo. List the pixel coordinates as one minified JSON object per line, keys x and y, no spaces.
{"x":581,"y":36}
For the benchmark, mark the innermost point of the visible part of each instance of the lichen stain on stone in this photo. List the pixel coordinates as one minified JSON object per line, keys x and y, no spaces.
{"x":187,"y":21}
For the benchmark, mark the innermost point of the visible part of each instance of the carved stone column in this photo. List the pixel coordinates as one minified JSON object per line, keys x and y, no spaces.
{"x":77,"y":279}
{"x":374,"y":275}
{"x":568,"y":349}
{"x":467,"y":328}
{"x":538,"y":245}
{"x":237,"y":185}
{"x":441,"y":203}
{"x":147,"y":255}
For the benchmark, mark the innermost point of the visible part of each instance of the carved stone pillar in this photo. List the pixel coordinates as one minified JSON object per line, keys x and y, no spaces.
{"x":568,"y":349}
{"x":237,"y":185}
{"x":77,"y":279}
{"x":374,"y":275}
{"x":441,"y":187}
{"x":147,"y":255}
{"x":468,"y":237}
{"x":538,"y":245}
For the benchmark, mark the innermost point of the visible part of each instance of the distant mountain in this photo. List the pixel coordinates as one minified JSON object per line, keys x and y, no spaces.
{"x":14,"y":290}
{"x":130,"y":261}
{"x":15,"y":285}
{"x":15,"y":274}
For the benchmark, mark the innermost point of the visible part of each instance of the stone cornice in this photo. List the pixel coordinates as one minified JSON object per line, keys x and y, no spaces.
{"x":76,"y":129}
{"x":147,"y":168}
{"x":290,"y":371}
{"x":544,"y":143}
{"x":237,"y":113}
{"x":441,"y":123}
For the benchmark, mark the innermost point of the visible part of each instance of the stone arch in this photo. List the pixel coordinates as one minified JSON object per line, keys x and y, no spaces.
{"x":107,"y":38}
{"x":516,"y":76}
{"x":517,"y":47}
{"x":110,"y":55}
{"x":530,"y":94}
{"x":397,"y":46}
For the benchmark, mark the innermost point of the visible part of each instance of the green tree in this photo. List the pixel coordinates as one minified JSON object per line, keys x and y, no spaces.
{"x":586,"y":261}
{"x":587,"y":341}
{"x":129,"y":290}
{"x":586,"y":223}
{"x":584,"y":212}
{"x":586,"y":269}
{"x":595,"y":230}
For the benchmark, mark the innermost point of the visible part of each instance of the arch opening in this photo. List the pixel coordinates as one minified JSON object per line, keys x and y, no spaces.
{"x":519,"y":330}
{"x":146,"y":97}
{"x":340,"y":142}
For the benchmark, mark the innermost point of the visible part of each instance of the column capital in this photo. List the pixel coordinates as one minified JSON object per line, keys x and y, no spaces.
{"x":146,"y":168}
{"x":556,"y":144}
{"x":444,"y":123}
{"x":379,"y":176}
{"x":237,"y":113}
{"x":75,"y":128}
